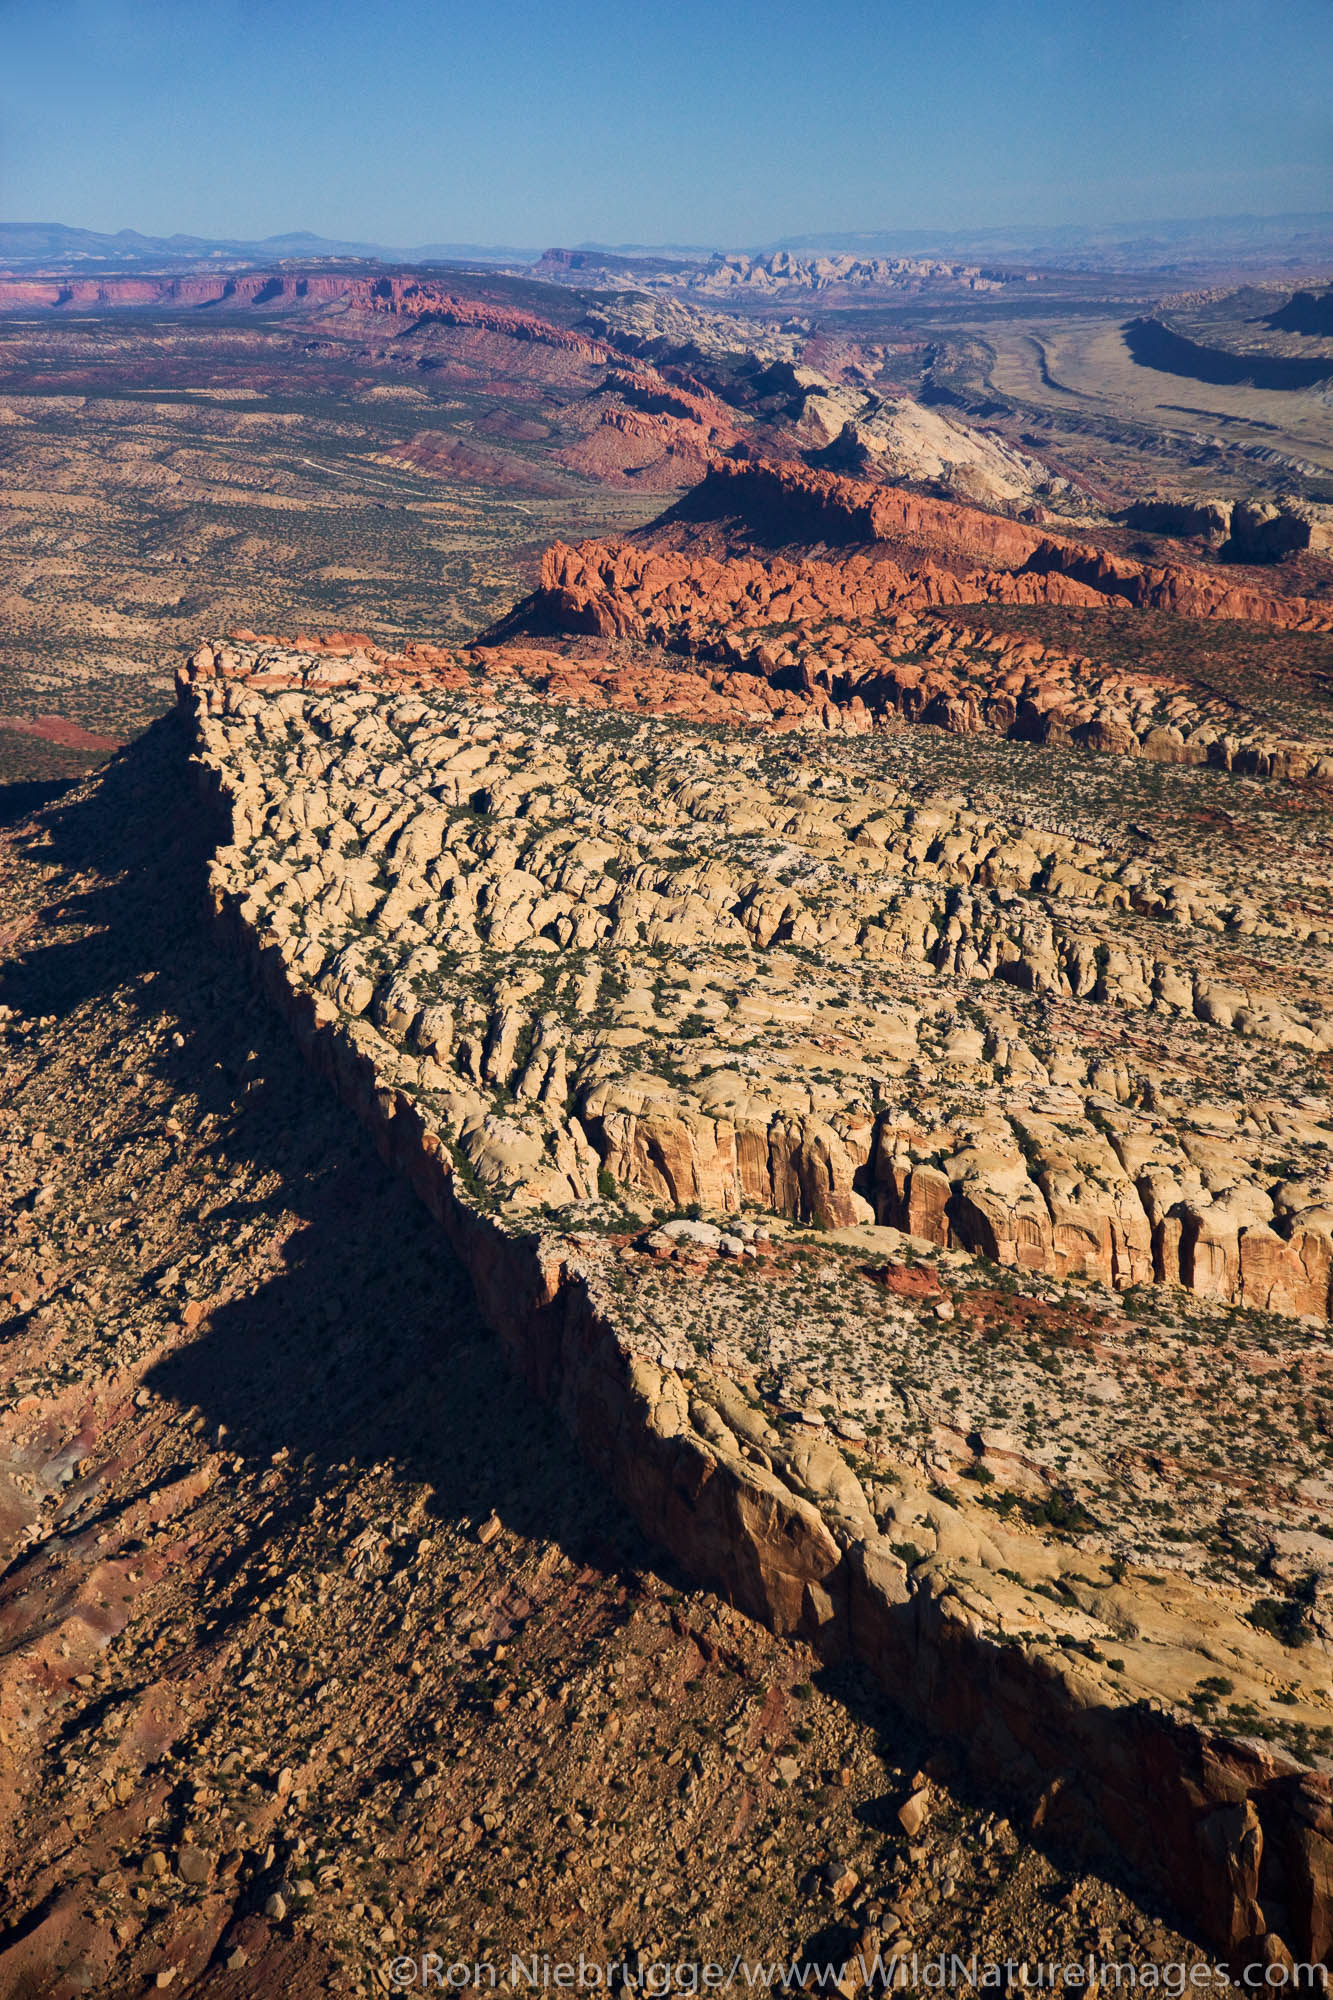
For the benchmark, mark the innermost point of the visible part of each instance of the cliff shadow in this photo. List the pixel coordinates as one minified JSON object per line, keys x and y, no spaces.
{"x":359,"y":1340}
{"x":20,"y":798}
{"x":1154,"y":345}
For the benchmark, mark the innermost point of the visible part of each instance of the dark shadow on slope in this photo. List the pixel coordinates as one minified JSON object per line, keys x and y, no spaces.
{"x":26,"y":796}
{"x":136,"y":825}
{"x":1305,"y":312}
{"x":364,"y":1345}
{"x":1154,"y":345}
{"x":764,"y":513}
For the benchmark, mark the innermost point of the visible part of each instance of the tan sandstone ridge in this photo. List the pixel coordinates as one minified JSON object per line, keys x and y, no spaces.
{"x":819,"y":1117}
{"x":940,"y":891}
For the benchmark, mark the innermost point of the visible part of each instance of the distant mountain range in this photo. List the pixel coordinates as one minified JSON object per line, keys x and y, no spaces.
{"x":1303,"y":242}
{"x":43,"y":244}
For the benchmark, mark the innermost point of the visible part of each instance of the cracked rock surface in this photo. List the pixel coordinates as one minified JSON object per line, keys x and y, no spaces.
{"x":956,"y":1183}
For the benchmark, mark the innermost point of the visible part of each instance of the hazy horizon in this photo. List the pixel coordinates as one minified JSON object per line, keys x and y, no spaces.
{"x":813,"y":239}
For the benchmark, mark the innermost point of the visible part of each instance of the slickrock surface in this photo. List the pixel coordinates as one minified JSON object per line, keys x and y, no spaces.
{"x":919,"y":1210}
{"x":319,"y":1644}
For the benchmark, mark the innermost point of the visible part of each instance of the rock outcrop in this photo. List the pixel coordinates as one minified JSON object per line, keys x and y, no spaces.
{"x":1263,"y":531}
{"x":789,"y":504}
{"x":848,"y":634}
{"x":1198,"y":520}
{"x":1252,"y":531}
{"x":784,"y":276}
{"x":571,"y":968}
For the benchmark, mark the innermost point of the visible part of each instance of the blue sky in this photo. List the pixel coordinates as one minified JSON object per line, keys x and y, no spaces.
{"x":732,"y":122}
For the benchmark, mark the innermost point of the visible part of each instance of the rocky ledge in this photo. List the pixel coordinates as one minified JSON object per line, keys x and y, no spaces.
{"x":917,"y":1207}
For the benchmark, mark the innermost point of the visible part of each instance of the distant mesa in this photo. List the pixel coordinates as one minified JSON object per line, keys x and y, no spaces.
{"x":1305,"y":312}
{"x":1153,"y":344}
